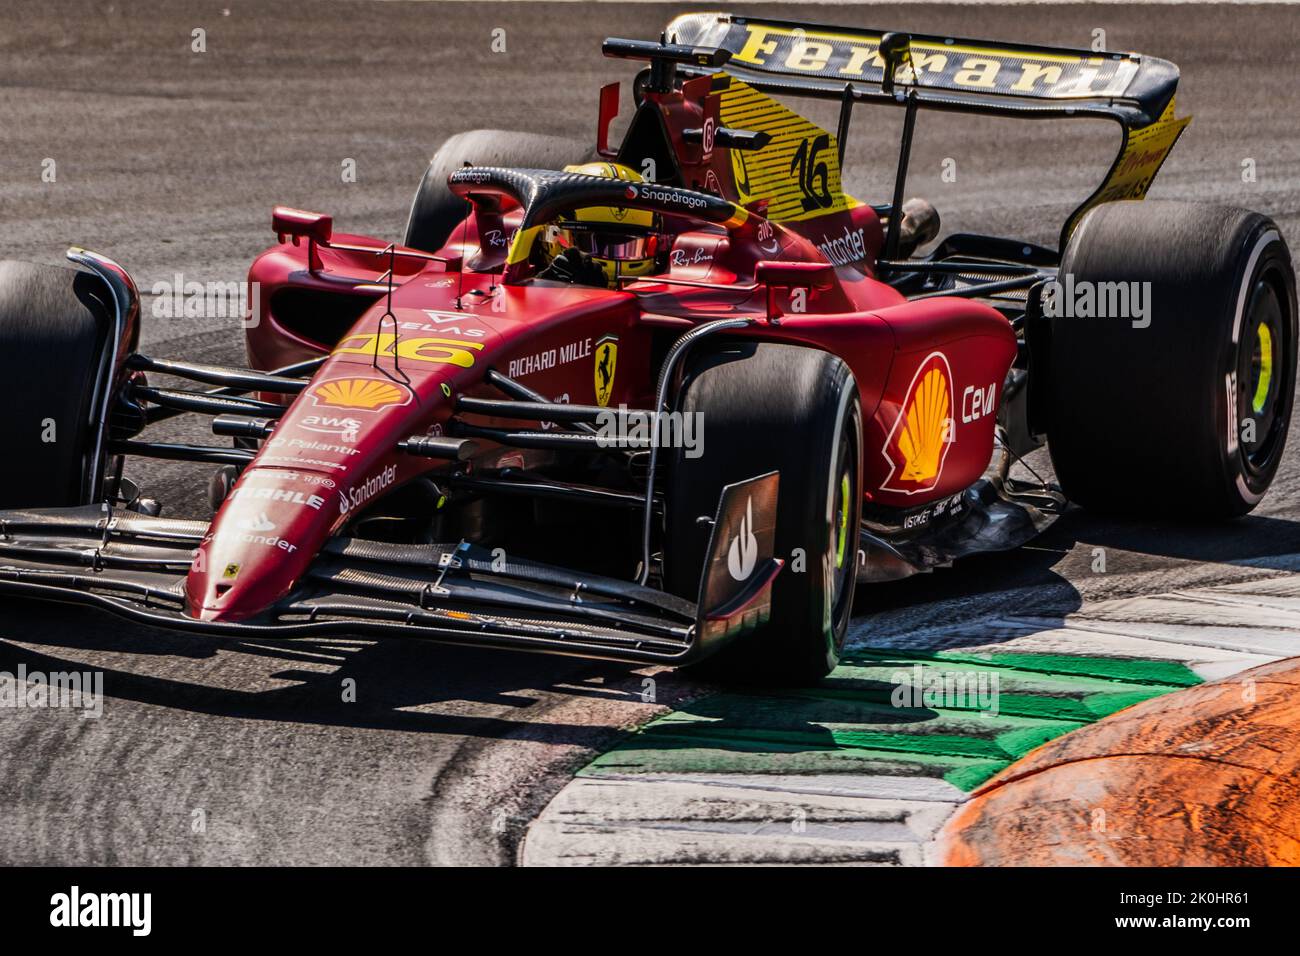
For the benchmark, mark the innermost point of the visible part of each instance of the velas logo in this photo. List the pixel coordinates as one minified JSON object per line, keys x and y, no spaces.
{"x":367,"y":394}
{"x":919,"y":443}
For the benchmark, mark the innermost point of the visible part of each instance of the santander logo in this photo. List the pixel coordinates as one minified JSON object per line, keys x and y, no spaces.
{"x":742,"y":555}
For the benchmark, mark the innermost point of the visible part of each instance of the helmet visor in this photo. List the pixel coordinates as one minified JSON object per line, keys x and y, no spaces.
{"x":605,"y":244}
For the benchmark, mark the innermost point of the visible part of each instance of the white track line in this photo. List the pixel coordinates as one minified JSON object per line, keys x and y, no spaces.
{"x":867,"y":819}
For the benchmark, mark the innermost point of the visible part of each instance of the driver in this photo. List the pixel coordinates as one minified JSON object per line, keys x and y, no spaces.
{"x":598,"y":244}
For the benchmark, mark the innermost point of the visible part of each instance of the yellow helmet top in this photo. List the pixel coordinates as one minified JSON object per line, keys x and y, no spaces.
{"x":615,"y":215}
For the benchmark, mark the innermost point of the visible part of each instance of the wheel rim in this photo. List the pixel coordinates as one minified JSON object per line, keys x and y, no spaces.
{"x":1262,"y":353}
{"x":842,"y":531}
{"x":1262,"y":364}
{"x":842,"y":521}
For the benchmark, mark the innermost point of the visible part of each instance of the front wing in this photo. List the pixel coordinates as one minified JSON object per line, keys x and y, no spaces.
{"x":136,"y":566}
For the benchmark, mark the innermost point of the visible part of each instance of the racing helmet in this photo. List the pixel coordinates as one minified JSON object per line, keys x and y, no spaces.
{"x":622,"y":242}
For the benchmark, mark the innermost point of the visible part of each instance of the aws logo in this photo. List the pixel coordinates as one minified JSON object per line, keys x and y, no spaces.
{"x":923,"y":433}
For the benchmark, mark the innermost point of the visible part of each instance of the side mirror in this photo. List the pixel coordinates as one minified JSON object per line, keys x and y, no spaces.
{"x":795,"y":275}
{"x":792,"y":275}
{"x":300,"y":224}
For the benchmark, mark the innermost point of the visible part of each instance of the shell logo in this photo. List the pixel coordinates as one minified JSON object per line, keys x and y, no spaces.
{"x":919,"y":443}
{"x":364,"y":393}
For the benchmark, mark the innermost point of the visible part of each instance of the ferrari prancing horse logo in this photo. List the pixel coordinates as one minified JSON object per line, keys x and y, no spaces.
{"x":923,"y":433}
{"x":606,"y":358}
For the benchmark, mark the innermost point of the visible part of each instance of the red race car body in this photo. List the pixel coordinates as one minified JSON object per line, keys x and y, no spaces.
{"x":402,"y":398}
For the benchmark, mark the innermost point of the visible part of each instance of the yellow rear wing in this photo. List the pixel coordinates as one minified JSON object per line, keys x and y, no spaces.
{"x":957,"y":75}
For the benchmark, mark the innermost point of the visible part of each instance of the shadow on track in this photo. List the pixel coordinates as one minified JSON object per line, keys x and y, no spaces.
{"x":391,"y":677}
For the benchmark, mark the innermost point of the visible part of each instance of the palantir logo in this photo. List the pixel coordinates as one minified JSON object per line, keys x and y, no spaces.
{"x":74,"y":909}
{"x":743,"y":553}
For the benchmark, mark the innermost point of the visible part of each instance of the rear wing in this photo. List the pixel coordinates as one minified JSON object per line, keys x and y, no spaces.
{"x":957,"y":75}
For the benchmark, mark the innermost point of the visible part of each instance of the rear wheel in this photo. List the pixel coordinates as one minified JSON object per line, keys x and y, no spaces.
{"x":435,"y":211}
{"x":768,"y":407}
{"x":1183,"y":410}
{"x":53,"y":329}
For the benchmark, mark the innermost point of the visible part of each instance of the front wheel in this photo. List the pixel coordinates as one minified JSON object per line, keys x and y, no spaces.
{"x":769,"y":407}
{"x":436,"y":211}
{"x":53,"y":331}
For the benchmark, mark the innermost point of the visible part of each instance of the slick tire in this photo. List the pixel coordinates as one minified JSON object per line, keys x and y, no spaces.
{"x":1182,"y":412}
{"x":435,"y":211}
{"x":53,"y":329}
{"x":769,"y":407}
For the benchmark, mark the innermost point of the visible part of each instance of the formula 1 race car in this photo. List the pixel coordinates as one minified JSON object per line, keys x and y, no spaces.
{"x":666,"y":401}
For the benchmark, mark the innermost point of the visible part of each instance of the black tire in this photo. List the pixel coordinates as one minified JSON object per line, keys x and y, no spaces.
{"x":53,"y":328}
{"x":435,"y":211}
{"x":795,"y":410}
{"x":1141,"y":420}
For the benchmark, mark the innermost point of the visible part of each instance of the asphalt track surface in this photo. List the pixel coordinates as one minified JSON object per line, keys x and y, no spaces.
{"x":170,"y":160}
